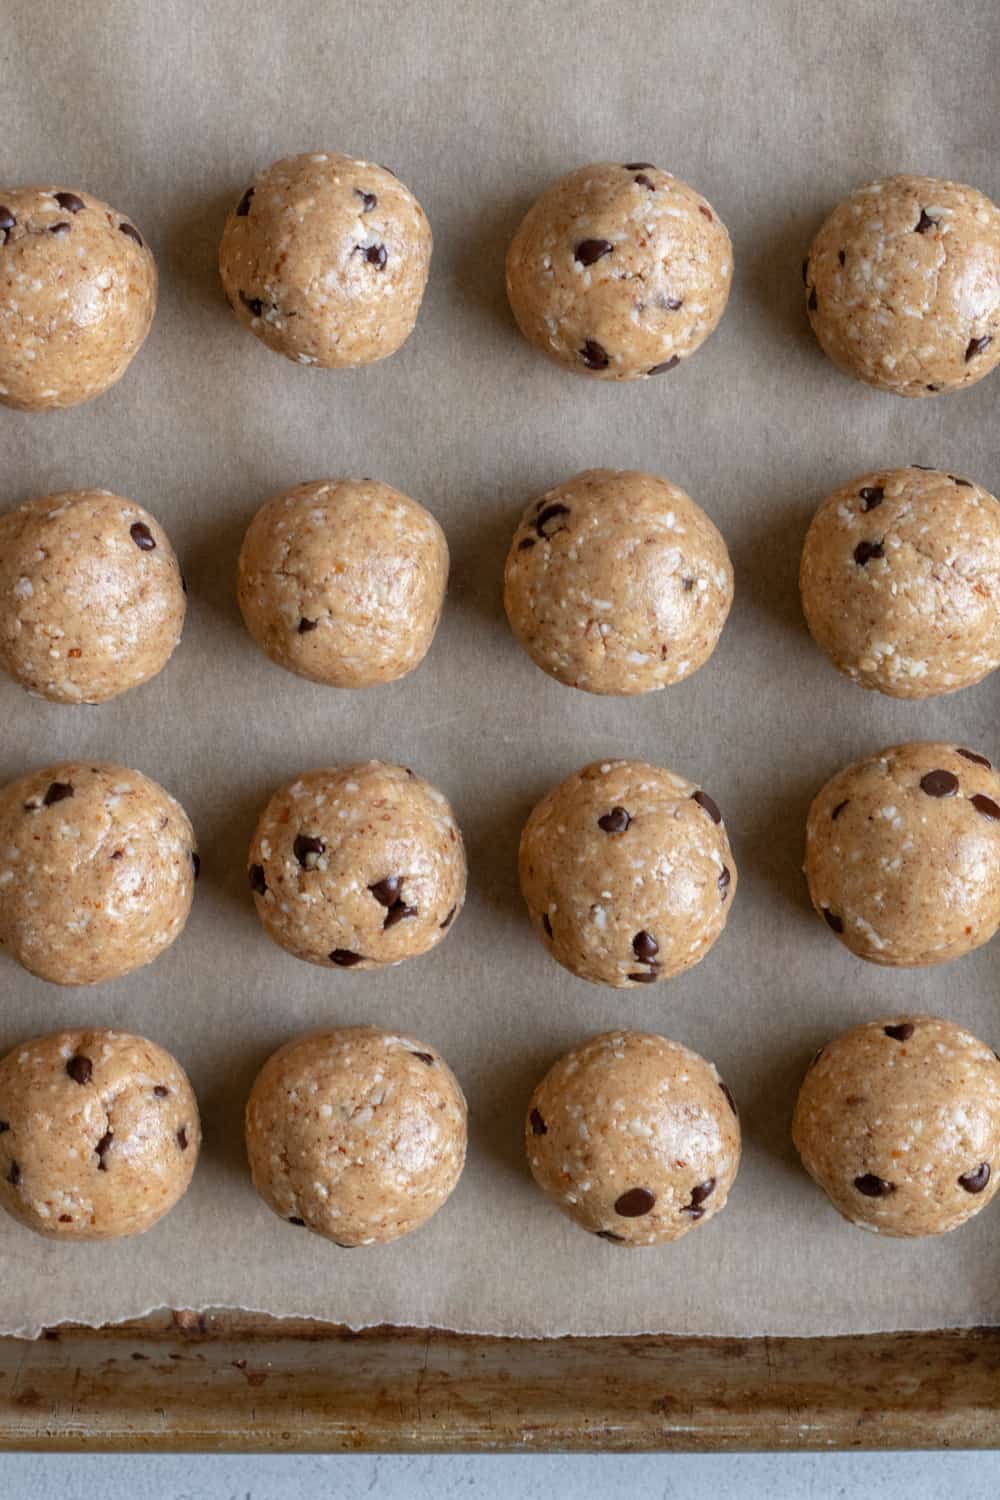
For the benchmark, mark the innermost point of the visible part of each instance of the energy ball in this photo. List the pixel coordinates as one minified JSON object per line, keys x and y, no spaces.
{"x":357,"y":1134}
{"x":77,"y":297}
{"x":357,"y":866}
{"x":325,"y":259}
{"x":898,"y":1121}
{"x":616,"y":582}
{"x":900,"y":581}
{"x":903,"y":854}
{"x":91,"y":596}
{"x":903,"y":285}
{"x":627,"y":873}
{"x":97,"y":871}
{"x":343,"y":581}
{"x":99,"y":1134}
{"x":619,"y":272}
{"x":634,"y":1137}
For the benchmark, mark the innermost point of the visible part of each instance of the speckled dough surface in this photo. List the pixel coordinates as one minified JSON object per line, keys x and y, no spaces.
{"x":97,"y":870}
{"x":326,"y":258}
{"x":357,"y":1134}
{"x":903,"y":285}
{"x":627,"y":873}
{"x":635,"y":1137}
{"x":903,"y":854}
{"x":77,"y":296}
{"x":899,"y":1123}
{"x":99,"y":1134}
{"x":900,"y":581}
{"x":616,"y":582}
{"x":343,"y":581}
{"x":91,"y":596}
{"x":619,"y":271}
{"x":357,"y":866}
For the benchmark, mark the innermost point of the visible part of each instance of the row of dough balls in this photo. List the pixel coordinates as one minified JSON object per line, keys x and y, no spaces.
{"x":618,"y":271}
{"x":360,"y":1134}
{"x":625,"y":867}
{"x":616,"y":582}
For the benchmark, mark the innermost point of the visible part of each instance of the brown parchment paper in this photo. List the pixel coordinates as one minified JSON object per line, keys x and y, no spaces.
{"x":774,"y":110}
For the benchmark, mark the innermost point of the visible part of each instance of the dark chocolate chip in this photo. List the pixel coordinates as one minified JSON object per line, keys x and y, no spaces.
{"x":693,"y":1213}
{"x":299,"y":1223}
{"x":607,"y":1234}
{"x":14,"y":1174}
{"x":645,"y":947}
{"x":639,"y":166}
{"x":872,"y":495}
{"x":928,"y":388}
{"x":102,"y":1148}
{"x":900,"y":1033}
{"x":160,"y":1090}
{"x":805,"y":272}
{"x":865,"y":551}
{"x":448,"y":919}
{"x":58,"y":792}
{"x":344,"y":958}
{"x":589,"y":251}
{"x":702,"y":1191}
{"x":386,"y":891}
{"x":80,"y":1068}
{"x":257,"y":881}
{"x":70,"y":202}
{"x":306,"y":625}
{"x":874,"y":1187}
{"x":835,"y":923}
{"x":546,"y":924}
{"x":594,"y":355}
{"x":142,"y":536}
{"x":4,"y":1125}
{"x":963,"y":484}
{"x":538,"y":1125}
{"x":243,"y":207}
{"x":196,"y":863}
{"x":550,"y":513}
{"x":130,"y":232}
{"x":709,"y":804}
{"x":376,"y":255}
{"x":306,"y":844}
{"x":725,"y":879}
{"x":986,"y":807}
{"x":7,"y":222}
{"x":646,"y":182}
{"x":729,"y":1096}
{"x":368,"y":200}
{"x":839,"y":809}
{"x":842,"y":256}
{"x":977,"y":346}
{"x":396,"y":913}
{"x":813,"y":302}
{"x":649,"y":976}
{"x":939,"y":783}
{"x":976,"y":1180}
{"x":673,"y":304}
{"x":635,"y":1202}
{"x":667,"y":364}
{"x":59,"y":229}
{"x":525,"y":543}
{"x":182,"y":1138}
{"x":425,"y":1057}
{"x":254,"y":305}
{"x":616,"y":821}
{"x":703,"y":208}
{"x":925,"y":222}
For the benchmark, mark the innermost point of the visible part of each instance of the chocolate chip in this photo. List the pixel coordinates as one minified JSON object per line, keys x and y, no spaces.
{"x":704,"y":209}
{"x":925,"y":222}
{"x":253,"y":304}
{"x":182,"y":1138}
{"x":58,"y":792}
{"x":68,"y":1219}
{"x":699,"y":1194}
{"x":872,"y":495}
{"x":900,"y":1033}
{"x":5,"y":1124}
{"x":711,"y":807}
{"x":688,"y":585}
{"x":594,"y":355}
{"x":70,"y":202}
{"x":102,"y":1148}
{"x":865,"y":551}
{"x":928,"y":388}
{"x":939,"y":783}
{"x":839,"y":809}
{"x":649,"y":976}
{"x":7,"y":222}
{"x":306,"y":625}
{"x":142,"y":536}
{"x":546,"y":924}
{"x":963,"y":484}
{"x":646,"y":182}
{"x":635,"y":1202}
{"x":376,"y":255}
{"x":805,"y":272}
{"x":673,"y":304}
{"x":835,"y":923}
{"x":243,"y":207}
{"x":160,"y":1090}
{"x":842,"y":256}
{"x":538,"y":1125}
{"x":344,"y":958}
{"x":448,"y":919}
{"x":693,"y":1213}
{"x":589,"y":251}
{"x":396,"y":913}
{"x":425,"y":1057}
{"x":550,"y":513}
{"x":986,"y":807}
{"x":525,"y":543}
{"x":130,"y":232}
{"x":14,"y":1174}
{"x":813,"y":302}
{"x":645,"y":947}
{"x":976,"y":346}
{"x":307,"y":844}
{"x":257,"y":881}
{"x":616,"y":821}
{"x":667,"y":364}
{"x":639,"y":166}
{"x":729,"y":1097}
{"x":725,"y":879}
{"x":874,"y":1187}
{"x":59,"y":229}
{"x":80,"y":1068}
{"x":976,"y":1180}
{"x":196,"y":863}
{"x":607,"y":1234}
{"x":299,"y":1223}
{"x":368,"y":200}
{"x":387,"y":891}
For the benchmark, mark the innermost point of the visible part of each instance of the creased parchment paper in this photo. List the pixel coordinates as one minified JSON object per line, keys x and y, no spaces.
{"x":773,"y":110}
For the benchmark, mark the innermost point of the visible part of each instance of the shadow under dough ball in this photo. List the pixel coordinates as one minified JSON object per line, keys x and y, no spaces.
{"x":97,"y":871}
{"x":634,"y":1137}
{"x":898,"y":1121}
{"x":357,"y":1134}
{"x":325,"y":259}
{"x":619,"y":271}
{"x":900,"y":581}
{"x":91,"y":596}
{"x":343,"y":581}
{"x":357,"y":866}
{"x":99,"y":1134}
{"x":617,"y":582}
{"x":77,"y":297}
{"x":627,"y":873}
{"x":903,"y":854}
{"x":902,"y":285}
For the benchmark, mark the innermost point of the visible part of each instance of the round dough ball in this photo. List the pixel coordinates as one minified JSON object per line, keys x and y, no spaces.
{"x":99,"y":1134}
{"x":619,"y":271}
{"x":97,"y":871}
{"x":343,"y":581}
{"x":357,"y":866}
{"x":900,"y":581}
{"x":635,"y":1137}
{"x":581,"y":849}
{"x":325,"y":259}
{"x":77,"y":297}
{"x":91,"y":596}
{"x":898,"y":1121}
{"x":903,"y":285}
{"x":903,"y":854}
{"x":616,"y":582}
{"x":357,"y":1134}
